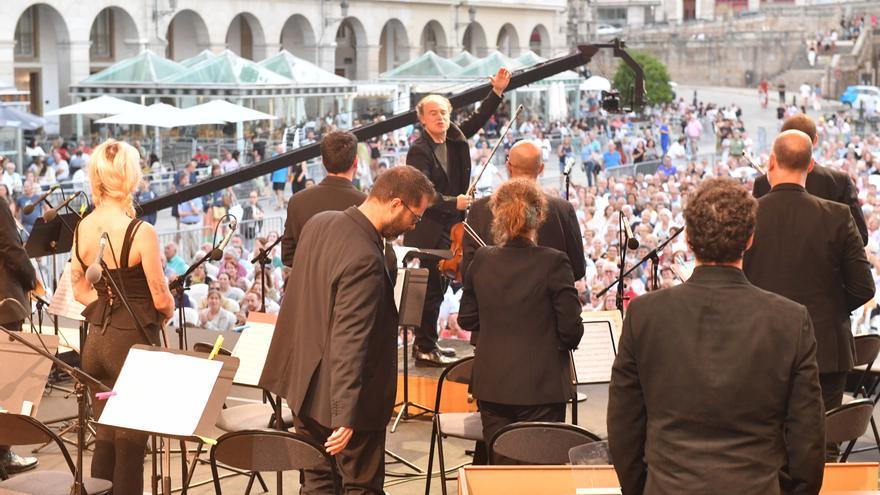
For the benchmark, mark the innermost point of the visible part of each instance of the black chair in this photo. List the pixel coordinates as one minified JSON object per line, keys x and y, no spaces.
{"x":538,"y":443}
{"x":269,"y":450}
{"x":867,"y":348}
{"x":847,"y":423}
{"x":16,"y":429}
{"x":464,"y":425}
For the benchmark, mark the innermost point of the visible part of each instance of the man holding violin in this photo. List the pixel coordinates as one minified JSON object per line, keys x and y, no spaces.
{"x":442,"y":153}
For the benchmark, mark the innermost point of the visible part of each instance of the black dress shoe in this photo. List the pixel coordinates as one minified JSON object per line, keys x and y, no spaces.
{"x":13,"y":463}
{"x":431,"y":358}
{"x":446,"y":351}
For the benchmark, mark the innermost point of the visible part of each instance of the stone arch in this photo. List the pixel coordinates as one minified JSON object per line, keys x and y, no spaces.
{"x":187,"y":35}
{"x":474,"y":40}
{"x":351,"y":49}
{"x":245,"y":37}
{"x":508,"y":41}
{"x":393,"y":45}
{"x":434,"y":38}
{"x":539,"y":41}
{"x":113,"y":36}
{"x":298,"y":37}
{"x":41,"y":57}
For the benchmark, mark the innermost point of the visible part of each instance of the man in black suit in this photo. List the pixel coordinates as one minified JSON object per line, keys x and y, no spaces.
{"x":824,"y":182}
{"x":18,"y":279}
{"x":560,"y":230}
{"x":442,"y":153}
{"x":715,"y":387}
{"x":335,"y":193}
{"x":809,"y":250}
{"x":334,"y":352}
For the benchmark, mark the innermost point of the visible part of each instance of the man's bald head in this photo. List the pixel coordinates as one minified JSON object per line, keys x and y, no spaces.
{"x":801,"y":122}
{"x":524,"y":160}
{"x":793,"y":151}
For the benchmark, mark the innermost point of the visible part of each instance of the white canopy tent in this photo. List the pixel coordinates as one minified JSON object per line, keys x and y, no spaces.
{"x":596,"y":83}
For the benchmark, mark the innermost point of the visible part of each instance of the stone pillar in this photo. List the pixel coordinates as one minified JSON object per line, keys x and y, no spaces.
{"x":217,"y":47}
{"x":265,"y":50}
{"x":368,"y":62}
{"x":7,"y":62}
{"x":326,"y":56}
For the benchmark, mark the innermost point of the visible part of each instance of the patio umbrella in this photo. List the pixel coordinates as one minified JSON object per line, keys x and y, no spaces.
{"x":160,"y":115}
{"x":225,"y":111}
{"x":102,"y":105}
{"x":596,"y":83}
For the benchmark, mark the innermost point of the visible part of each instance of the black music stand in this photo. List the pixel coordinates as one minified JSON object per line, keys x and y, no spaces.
{"x":51,"y":238}
{"x":412,"y":284}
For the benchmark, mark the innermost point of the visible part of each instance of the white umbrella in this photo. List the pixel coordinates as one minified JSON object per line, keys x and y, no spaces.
{"x":596,"y":83}
{"x":159,"y":115}
{"x":225,"y":111}
{"x":102,"y":105}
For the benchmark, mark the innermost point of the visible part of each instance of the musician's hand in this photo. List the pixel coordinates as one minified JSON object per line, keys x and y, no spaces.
{"x":463,"y":202}
{"x":337,"y":440}
{"x":500,"y":81}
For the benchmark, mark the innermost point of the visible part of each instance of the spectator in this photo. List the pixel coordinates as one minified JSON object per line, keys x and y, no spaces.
{"x":173,"y":262}
{"x":144,"y":194}
{"x":214,"y":317}
{"x":612,"y":157}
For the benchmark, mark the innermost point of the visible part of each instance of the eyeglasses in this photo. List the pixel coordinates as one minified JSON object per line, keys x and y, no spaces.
{"x":417,"y":217}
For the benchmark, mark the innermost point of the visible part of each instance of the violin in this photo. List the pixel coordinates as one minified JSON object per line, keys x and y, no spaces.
{"x":451,"y":268}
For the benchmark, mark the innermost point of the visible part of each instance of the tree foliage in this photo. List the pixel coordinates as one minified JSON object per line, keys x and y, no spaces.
{"x":656,"y":79}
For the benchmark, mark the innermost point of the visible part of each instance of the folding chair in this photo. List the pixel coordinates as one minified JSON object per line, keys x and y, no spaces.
{"x":538,"y":443}
{"x":847,"y":423}
{"x":464,"y":425}
{"x":867,"y":348}
{"x":16,"y":429}
{"x":269,"y":450}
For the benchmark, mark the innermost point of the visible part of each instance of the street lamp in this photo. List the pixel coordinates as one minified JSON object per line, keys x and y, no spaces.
{"x":343,"y":9}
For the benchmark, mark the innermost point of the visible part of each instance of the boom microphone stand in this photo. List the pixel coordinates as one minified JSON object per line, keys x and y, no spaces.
{"x":653,"y":256}
{"x":82,"y":379}
{"x":263,"y":259}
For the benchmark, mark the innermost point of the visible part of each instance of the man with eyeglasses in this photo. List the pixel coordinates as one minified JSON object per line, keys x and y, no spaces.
{"x":334,"y":352}
{"x":442,"y":153}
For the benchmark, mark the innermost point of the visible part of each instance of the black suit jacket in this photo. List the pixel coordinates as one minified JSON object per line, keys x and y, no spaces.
{"x":715,"y":390}
{"x":808,"y":250}
{"x":829,"y":184}
{"x":334,"y":352}
{"x":18,"y":274}
{"x":522,"y":300}
{"x":332,"y":194}
{"x":560,"y":230}
{"x":433,"y":231}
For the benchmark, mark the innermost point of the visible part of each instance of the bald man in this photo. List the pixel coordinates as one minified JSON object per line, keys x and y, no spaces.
{"x":809,"y":250}
{"x":560,"y":230}
{"x":827,"y":183}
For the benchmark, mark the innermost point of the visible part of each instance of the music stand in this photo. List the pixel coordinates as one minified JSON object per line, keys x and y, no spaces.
{"x":24,"y":372}
{"x":409,"y":293}
{"x":51,"y":238}
{"x":169,"y":393}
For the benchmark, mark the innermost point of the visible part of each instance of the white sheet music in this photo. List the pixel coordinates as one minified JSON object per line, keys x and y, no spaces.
{"x":63,"y":302}
{"x":251,"y":350}
{"x":161,"y":392}
{"x":398,"y":286}
{"x":598,"y":347}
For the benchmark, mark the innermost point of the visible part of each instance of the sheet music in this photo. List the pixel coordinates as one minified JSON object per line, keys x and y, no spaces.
{"x":598,"y":347}
{"x":251,"y":350}
{"x":63,"y":302}
{"x":398,"y":286}
{"x":161,"y":392}
{"x":68,"y":336}
{"x":401,"y":252}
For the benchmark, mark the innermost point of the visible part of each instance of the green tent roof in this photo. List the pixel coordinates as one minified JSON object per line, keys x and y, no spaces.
{"x":228,"y":68}
{"x":530,"y":58}
{"x":300,"y":71}
{"x":489,"y":65}
{"x":464,"y":58}
{"x":428,"y":64}
{"x":197,"y":59}
{"x":146,"y":67}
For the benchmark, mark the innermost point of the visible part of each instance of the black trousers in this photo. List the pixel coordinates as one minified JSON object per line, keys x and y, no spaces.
{"x":426,"y":333}
{"x":119,"y":454}
{"x":496,"y":416}
{"x":832,"y":385}
{"x":360,"y":466}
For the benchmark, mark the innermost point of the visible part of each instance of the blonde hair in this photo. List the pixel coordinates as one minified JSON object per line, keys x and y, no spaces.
{"x":115,"y":173}
{"x":518,"y":208}
{"x":440,"y":100}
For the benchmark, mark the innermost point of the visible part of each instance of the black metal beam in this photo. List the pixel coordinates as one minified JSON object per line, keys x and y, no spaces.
{"x":519,"y":79}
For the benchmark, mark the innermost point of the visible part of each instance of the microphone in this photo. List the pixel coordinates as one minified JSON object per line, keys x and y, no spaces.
{"x":17,"y":310}
{"x":569,"y":163}
{"x":631,"y":242}
{"x":94,"y":272}
{"x":217,"y":253}
{"x":51,"y":213}
{"x":29,"y":208}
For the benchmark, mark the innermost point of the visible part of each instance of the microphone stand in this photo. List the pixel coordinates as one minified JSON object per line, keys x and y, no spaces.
{"x":263,"y":259}
{"x":178,"y":287}
{"x":568,"y":181}
{"x":653,"y":256}
{"x":81,"y":391}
